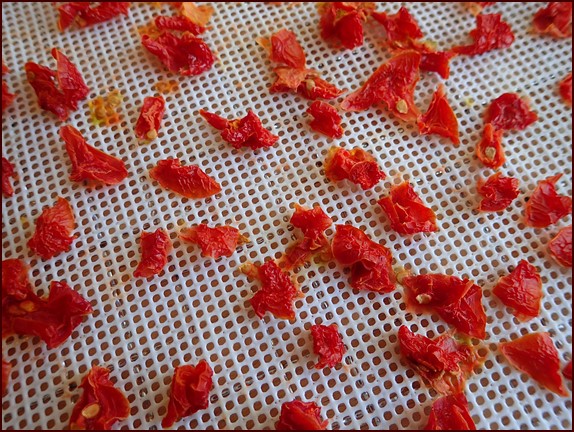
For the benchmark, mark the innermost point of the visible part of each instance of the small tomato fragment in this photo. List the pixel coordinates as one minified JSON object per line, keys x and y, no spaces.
{"x":189,"y":181}
{"x":561,"y":246}
{"x":328,"y":345}
{"x":521,"y":290}
{"x":6,"y":369}
{"x":85,"y":14}
{"x":200,"y":15}
{"x":7,"y":97}
{"x":155,"y":246}
{"x":567,"y":371}
{"x":104,"y":109}
{"x":438,"y":62}
{"x":491,"y":33}
{"x":565,"y":89}
{"x":399,"y":27}
{"x":101,"y":404}
{"x":286,"y":50}
{"x":89,"y":163}
{"x":545,"y":207}
{"x":297,"y":415}
{"x":498,"y":192}
{"x":189,"y":392}
{"x":450,"y":413}
{"x":535,"y":355}
{"x":7,"y":173}
{"x":439,"y":118}
{"x":356,"y":165}
{"x":476,"y":8}
{"x":489,"y":150}
{"x":509,"y":112}
{"x":149,"y":121}
{"x":326,"y":119}
{"x":343,"y":21}
{"x":554,"y":20}
{"x":214,"y":242}
{"x":54,"y":227}
{"x":178,"y":23}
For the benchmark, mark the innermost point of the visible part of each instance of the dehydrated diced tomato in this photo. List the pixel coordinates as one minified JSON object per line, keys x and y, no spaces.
{"x":476,"y":7}
{"x":370,"y":262}
{"x":566,"y":89}
{"x":189,"y":393}
{"x":443,"y":363}
{"x":467,"y":315}
{"x":343,"y":21}
{"x":555,"y":20}
{"x":297,"y":415}
{"x":561,"y":246}
{"x":326,"y":119}
{"x":104,"y":109}
{"x":149,"y":121}
{"x":6,"y":369}
{"x":400,"y":26}
{"x":438,"y":62}
{"x":189,"y":181}
{"x":328,"y":345}
{"x":498,"y":192}
{"x":85,"y":14}
{"x":489,"y":150}
{"x":356,"y":165}
{"x":89,"y":163}
{"x":7,"y":97}
{"x":214,"y":242}
{"x":154,"y":246}
{"x":7,"y":173}
{"x":244,"y":132}
{"x":509,"y":112}
{"x":545,"y":207}
{"x":185,"y":55}
{"x":491,"y":33}
{"x":406,"y":211}
{"x":535,"y":355}
{"x":54,"y":227}
{"x":178,"y":23}
{"x":393,"y":83}
{"x":521,"y":290}
{"x":286,"y":50}
{"x":101,"y":404}
{"x":450,"y":413}
{"x":306,"y":82}
{"x":439,"y":118}
{"x":567,"y":371}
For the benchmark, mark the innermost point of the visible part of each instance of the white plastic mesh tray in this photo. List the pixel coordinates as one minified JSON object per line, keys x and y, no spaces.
{"x":198,"y":308}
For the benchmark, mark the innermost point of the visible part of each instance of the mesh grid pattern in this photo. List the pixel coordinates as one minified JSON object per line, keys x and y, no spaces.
{"x":198,"y":308}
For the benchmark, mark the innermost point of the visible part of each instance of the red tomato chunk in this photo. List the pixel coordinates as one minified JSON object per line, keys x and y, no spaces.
{"x":509,"y":112}
{"x":450,"y":413}
{"x":155,"y":247}
{"x":214,"y":242}
{"x":554,"y":20}
{"x":149,"y":121}
{"x":189,"y":181}
{"x":7,"y":173}
{"x":54,"y":227}
{"x":439,"y":118}
{"x":328,"y":345}
{"x":561,"y":247}
{"x":326,"y":119}
{"x":297,"y":415}
{"x":521,"y":290}
{"x":491,"y":33}
{"x":498,"y":192}
{"x":489,"y":150}
{"x":545,"y":207}
{"x":84,"y":14}
{"x":343,"y":22}
{"x":355,"y":165}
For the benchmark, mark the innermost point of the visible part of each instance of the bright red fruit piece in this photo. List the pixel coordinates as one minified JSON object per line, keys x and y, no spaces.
{"x":185,"y":55}
{"x":399,"y":27}
{"x":149,"y":121}
{"x":285,"y":49}
{"x":393,"y":83}
{"x":101,"y":404}
{"x":443,"y":363}
{"x":214,"y":242}
{"x":57,"y":91}
{"x":561,"y":246}
{"x":89,"y":163}
{"x":297,"y":415}
{"x":467,"y":315}
{"x":555,"y":20}
{"x":509,"y":112}
{"x":54,"y":227}
{"x":356,"y":165}
{"x":7,"y":173}
{"x":244,"y":132}
{"x":6,"y":369}
{"x":85,"y":14}
{"x":328,"y":345}
{"x":343,"y":21}
{"x":450,"y":413}
{"x":566,"y":89}
{"x":439,"y":118}
{"x":190,"y":389}
{"x":326,"y":119}
{"x":491,"y":33}
{"x":189,"y":181}
{"x":154,"y":246}
{"x":489,"y":150}
{"x":431,"y":59}
{"x":535,"y":355}
{"x":17,"y":294}
{"x":498,"y":192}
{"x":406,"y":211}
{"x":7,"y":97}
{"x":521,"y":290}
{"x":567,"y":371}
{"x":546,"y":206}
{"x":178,"y":23}
{"x":370,"y":262}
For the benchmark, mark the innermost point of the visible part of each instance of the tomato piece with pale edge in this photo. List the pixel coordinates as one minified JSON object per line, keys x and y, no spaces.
{"x":6,"y":370}
{"x":189,"y":392}
{"x":189,"y":181}
{"x":554,"y":20}
{"x":545,"y":206}
{"x":7,"y":173}
{"x":297,"y":415}
{"x":155,"y":247}
{"x":489,"y":150}
{"x":53,"y":233}
{"x":326,"y":119}
{"x":400,"y":26}
{"x":149,"y":121}
{"x":565,"y":89}
{"x":7,"y":97}
{"x":84,"y":14}
{"x":178,"y":23}
{"x":101,"y":404}
{"x":535,"y":355}
{"x":521,"y":290}
{"x":450,"y":413}
{"x":561,"y":246}
{"x":498,"y":192}
{"x":356,"y":165}
{"x":343,"y":22}
{"x":214,"y":242}
{"x":439,"y":118}
{"x":510,"y":112}
{"x":328,"y":345}
{"x":285,"y":49}
{"x":491,"y":33}
{"x":567,"y":371}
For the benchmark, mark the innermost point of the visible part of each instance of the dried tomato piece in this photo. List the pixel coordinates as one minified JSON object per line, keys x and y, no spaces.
{"x":554,"y":20}
{"x":535,"y":355}
{"x":7,"y":97}
{"x":467,"y":315}
{"x":370,"y":262}
{"x":154,"y":246}
{"x":89,"y":163}
{"x":561,"y":246}
{"x":189,"y":181}
{"x":521,"y":290}
{"x":189,"y":392}
{"x":85,"y":14}
{"x":489,"y":150}
{"x":328,"y":345}
{"x":306,"y":82}
{"x":200,"y":15}
{"x":406,"y":211}
{"x":178,"y":23}
{"x":214,"y":242}
{"x":400,"y":26}
{"x":443,"y":363}
{"x":54,"y":227}
{"x":476,"y":7}
{"x":565,"y":89}
{"x":343,"y":22}
{"x":326,"y":119}
{"x":7,"y":173}
{"x":438,"y":62}
{"x":393,"y":83}
{"x":567,"y":371}
{"x":491,"y":33}
{"x":297,"y":415}
{"x":6,"y":369}
{"x":509,"y":112}
{"x":545,"y":207}
{"x":101,"y":404}
{"x":185,"y":55}
{"x":356,"y":165}
{"x":286,"y":50}
{"x":277,"y":293}
{"x":450,"y":413}
{"x":149,"y":121}
{"x":498,"y":192}
{"x":439,"y":118}
{"x":244,"y":132}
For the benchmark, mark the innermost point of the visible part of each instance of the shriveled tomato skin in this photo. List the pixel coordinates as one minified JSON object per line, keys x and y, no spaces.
{"x":6,"y":369}
{"x":306,"y":82}
{"x":567,"y":371}
{"x":155,"y":247}
{"x":565,"y":89}
{"x":178,"y":23}
{"x":101,"y":404}
{"x":535,"y":355}
{"x":356,"y":165}
{"x":84,"y":15}
{"x":467,"y":315}
{"x":439,"y":118}
{"x":149,"y":121}
{"x":450,"y":413}
{"x":7,"y":97}
{"x":343,"y":22}
{"x":297,"y":415}
{"x":54,"y":227}
{"x":561,"y":247}
{"x":285,"y":49}
{"x":400,"y":26}
{"x":214,"y":242}
{"x":498,"y":192}
{"x":510,"y":112}
{"x":554,"y":20}
{"x":189,"y":393}
{"x":326,"y":119}
{"x":545,"y":206}
{"x":189,"y":181}
{"x":328,"y":345}
{"x":491,"y":33}
{"x":489,"y":150}
{"x":7,"y":173}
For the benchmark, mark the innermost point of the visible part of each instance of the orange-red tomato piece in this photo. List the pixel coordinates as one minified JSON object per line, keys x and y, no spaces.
{"x":545,"y":207}
{"x":306,"y":82}
{"x":285,"y":49}
{"x":189,"y":181}
{"x":400,"y":26}
{"x":328,"y":345}
{"x":54,"y":227}
{"x":7,"y":97}
{"x":101,"y":404}
{"x":554,"y":20}
{"x":297,"y":415}
{"x":155,"y":247}
{"x":535,"y":355}
{"x":326,"y":119}
{"x":214,"y":242}
{"x":565,"y":89}
{"x":510,"y":112}
{"x":343,"y":22}
{"x":498,"y":192}
{"x":356,"y":165}
{"x":467,"y":315}
{"x":521,"y":290}
{"x":438,"y":61}
{"x":450,"y":413}
{"x":178,"y":23}
{"x":189,"y":393}
{"x":85,"y":14}
{"x":489,"y":150}
{"x":7,"y":173}
{"x":149,"y":121}
{"x":561,"y":246}
{"x":567,"y":371}
{"x":491,"y":33}
{"x":6,"y":369}
{"x":439,"y":118}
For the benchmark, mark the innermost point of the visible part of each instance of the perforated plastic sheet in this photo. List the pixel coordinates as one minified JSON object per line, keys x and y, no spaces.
{"x":198,"y":308}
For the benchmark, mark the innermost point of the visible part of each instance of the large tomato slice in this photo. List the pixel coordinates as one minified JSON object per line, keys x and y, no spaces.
{"x":498,"y":192}
{"x":355,"y":165}
{"x":555,"y":20}
{"x":545,"y":207}
{"x":297,"y":415}
{"x":326,"y":119}
{"x":85,"y":14}
{"x":491,"y":33}
{"x":489,"y":150}
{"x":521,"y":290}
{"x":450,"y":413}
{"x":7,"y":173}
{"x":189,"y":181}
{"x":565,"y":89}
{"x":149,"y":121}
{"x":561,"y":246}
{"x":155,"y":246}
{"x":328,"y":345}
{"x":510,"y":112}
{"x":439,"y":118}
{"x":214,"y":242}
{"x":343,"y":22}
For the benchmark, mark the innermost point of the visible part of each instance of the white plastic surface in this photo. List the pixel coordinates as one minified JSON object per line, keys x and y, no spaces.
{"x":198,"y":308}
